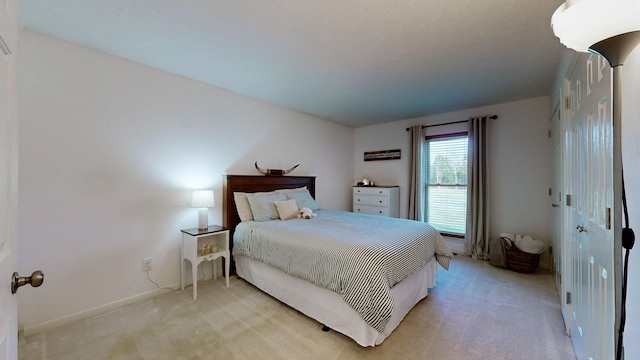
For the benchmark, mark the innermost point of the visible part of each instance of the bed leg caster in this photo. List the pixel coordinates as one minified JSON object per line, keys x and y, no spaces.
{"x":325,"y":328}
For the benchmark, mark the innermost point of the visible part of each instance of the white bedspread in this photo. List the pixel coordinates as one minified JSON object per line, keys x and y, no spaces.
{"x":361,"y":257}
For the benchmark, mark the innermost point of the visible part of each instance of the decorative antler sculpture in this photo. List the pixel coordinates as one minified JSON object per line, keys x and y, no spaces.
{"x":274,"y":171}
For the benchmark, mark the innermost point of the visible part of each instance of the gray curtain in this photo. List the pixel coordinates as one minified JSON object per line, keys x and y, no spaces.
{"x":477,"y":233}
{"x":416,"y":177}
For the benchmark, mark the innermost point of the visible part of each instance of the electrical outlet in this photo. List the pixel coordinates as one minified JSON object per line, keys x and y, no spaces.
{"x":146,"y":264}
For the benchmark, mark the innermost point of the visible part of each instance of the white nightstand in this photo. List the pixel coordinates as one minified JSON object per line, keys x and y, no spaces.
{"x":193,"y":241}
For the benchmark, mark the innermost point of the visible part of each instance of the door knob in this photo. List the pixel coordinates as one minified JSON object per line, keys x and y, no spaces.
{"x":580,"y":228}
{"x":36,"y":279}
{"x":555,"y":205}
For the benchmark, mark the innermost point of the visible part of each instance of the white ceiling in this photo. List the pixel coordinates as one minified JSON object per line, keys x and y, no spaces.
{"x":356,"y":62}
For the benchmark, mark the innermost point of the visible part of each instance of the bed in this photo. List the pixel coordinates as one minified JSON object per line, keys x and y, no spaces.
{"x":274,"y":263}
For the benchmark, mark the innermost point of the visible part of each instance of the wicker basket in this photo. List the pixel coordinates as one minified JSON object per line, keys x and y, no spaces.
{"x":520,"y":261}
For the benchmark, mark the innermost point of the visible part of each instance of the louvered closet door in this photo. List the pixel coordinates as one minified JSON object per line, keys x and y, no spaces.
{"x":588,"y":141}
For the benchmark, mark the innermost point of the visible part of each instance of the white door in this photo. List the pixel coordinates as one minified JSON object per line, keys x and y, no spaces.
{"x":555,"y":198}
{"x":589,"y":186}
{"x":8,"y":178}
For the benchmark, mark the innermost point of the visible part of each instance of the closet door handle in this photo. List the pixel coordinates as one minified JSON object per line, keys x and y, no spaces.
{"x":36,"y":279}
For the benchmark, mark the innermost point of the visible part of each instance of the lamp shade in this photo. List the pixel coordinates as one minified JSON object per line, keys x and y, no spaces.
{"x":581,"y":23}
{"x":202,"y":199}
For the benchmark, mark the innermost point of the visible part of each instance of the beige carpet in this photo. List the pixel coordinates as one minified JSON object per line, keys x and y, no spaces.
{"x":476,"y":311}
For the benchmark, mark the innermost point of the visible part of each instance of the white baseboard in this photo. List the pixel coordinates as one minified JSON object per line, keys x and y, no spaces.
{"x":98,"y":310}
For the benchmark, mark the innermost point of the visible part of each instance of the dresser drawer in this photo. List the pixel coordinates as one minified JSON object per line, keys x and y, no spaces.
{"x":371,"y":191}
{"x":372,"y":210}
{"x":379,"y":200}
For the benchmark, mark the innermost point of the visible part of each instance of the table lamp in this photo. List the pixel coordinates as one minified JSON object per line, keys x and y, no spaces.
{"x":203,"y":199}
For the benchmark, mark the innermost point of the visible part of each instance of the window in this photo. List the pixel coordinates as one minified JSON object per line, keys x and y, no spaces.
{"x":446,"y":182}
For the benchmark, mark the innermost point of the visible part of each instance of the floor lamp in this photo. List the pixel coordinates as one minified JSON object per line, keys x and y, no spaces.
{"x":610,"y":28}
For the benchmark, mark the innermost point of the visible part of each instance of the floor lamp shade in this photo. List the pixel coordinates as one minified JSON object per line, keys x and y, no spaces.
{"x":581,"y":23}
{"x":203,"y":199}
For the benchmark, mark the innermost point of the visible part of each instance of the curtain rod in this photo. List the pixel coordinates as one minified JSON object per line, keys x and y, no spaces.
{"x":453,"y":122}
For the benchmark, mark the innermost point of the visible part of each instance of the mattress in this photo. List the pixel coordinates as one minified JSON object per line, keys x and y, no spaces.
{"x":327,"y":307}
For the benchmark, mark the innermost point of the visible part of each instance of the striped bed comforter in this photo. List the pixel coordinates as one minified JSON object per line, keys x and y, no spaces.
{"x":361,"y":257}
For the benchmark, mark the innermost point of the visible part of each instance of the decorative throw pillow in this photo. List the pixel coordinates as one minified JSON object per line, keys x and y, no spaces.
{"x":263,"y":205}
{"x":303,"y":199}
{"x":287,"y":209}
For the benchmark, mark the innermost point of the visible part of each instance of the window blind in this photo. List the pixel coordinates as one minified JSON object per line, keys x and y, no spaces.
{"x":446,"y":185}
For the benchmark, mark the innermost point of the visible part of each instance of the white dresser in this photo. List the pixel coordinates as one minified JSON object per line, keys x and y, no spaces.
{"x":376,"y":200}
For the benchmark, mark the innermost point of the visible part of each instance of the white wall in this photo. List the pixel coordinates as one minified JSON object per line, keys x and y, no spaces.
{"x":518,"y":163}
{"x":109,"y":153}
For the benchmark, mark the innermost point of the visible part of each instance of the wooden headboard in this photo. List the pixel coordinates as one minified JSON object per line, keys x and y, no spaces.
{"x":255,"y":183}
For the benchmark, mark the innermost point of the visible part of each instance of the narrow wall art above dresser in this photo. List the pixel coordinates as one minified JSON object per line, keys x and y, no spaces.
{"x":376,"y":200}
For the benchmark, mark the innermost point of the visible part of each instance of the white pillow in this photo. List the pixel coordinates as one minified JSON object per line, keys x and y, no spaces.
{"x":242,"y":205}
{"x":287,"y":209}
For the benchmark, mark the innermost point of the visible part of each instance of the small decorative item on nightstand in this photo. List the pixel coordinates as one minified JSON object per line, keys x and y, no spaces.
{"x":208,"y":249}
